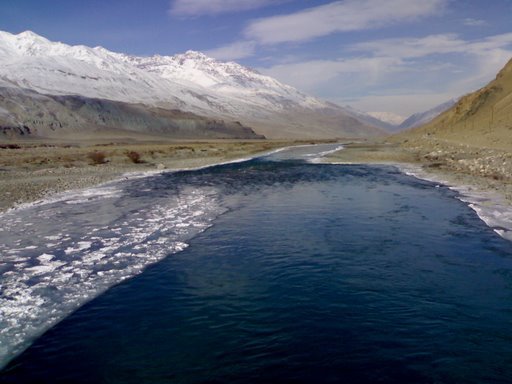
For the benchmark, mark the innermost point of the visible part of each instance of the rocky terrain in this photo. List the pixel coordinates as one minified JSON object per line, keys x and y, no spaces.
{"x":25,"y":113}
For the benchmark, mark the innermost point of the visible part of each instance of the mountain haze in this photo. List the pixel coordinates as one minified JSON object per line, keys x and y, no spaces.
{"x":368,"y":118}
{"x":189,"y":82}
{"x":420,"y":118}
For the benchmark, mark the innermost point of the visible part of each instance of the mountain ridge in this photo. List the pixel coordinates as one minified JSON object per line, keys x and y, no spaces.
{"x":191,"y":82}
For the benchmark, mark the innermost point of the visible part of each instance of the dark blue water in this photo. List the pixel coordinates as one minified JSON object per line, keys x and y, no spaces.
{"x":310,"y":273}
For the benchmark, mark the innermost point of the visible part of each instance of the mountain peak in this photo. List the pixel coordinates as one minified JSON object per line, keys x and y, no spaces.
{"x":24,"y":43}
{"x":29,"y":34}
{"x":196,"y":55}
{"x":31,"y":37}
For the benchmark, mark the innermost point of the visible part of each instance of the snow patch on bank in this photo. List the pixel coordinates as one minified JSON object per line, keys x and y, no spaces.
{"x":492,"y":208}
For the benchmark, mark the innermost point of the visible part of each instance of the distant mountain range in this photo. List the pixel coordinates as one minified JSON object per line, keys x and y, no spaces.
{"x":421,"y":118}
{"x":51,"y":89}
{"x":393,"y":123}
{"x":367,"y":118}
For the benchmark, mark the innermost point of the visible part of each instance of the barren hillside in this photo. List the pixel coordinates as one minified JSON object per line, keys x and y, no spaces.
{"x":481,"y":119}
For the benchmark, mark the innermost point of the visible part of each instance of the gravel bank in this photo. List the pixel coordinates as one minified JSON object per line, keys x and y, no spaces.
{"x":31,"y":172}
{"x":485,"y":169}
{"x":482,"y":176}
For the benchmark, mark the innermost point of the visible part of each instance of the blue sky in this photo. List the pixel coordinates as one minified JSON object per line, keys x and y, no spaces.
{"x":400,"y":56}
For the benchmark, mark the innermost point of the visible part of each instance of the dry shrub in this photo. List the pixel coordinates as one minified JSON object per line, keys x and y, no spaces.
{"x":97,"y":157}
{"x":134,"y":157}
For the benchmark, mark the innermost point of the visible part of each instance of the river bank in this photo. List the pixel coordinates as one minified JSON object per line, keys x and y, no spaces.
{"x":482,"y":176}
{"x":33,"y":171}
{"x":487,"y":169}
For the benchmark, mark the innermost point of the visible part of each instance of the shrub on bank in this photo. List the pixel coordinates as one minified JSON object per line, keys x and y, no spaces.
{"x":134,"y":157}
{"x":97,"y":157}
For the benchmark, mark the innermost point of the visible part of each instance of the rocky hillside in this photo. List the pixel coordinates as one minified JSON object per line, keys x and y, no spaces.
{"x":29,"y":114}
{"x":472,"y":139}
{"x":190,"y":82}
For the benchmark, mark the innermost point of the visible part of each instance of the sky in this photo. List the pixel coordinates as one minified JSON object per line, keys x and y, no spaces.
{"x":399,"y":56}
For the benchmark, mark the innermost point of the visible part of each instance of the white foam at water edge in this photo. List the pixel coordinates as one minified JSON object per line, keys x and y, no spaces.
{"x":319,"y":158}
{"x":492,"y":208}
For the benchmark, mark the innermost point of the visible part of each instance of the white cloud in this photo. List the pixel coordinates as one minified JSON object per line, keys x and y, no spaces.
{"x":433,"y":44}
{"x":339,"y":16}
{"x":489,"y":44}
{"x":191,"y":8}
{"x":235,"y":51}
{"x":404,"y":75}
{"x":474,"y":22}
{"x":486,"y":64}
{"x":412,"y":47}
{"x":482,"y":58}
{"x":309,"y":75}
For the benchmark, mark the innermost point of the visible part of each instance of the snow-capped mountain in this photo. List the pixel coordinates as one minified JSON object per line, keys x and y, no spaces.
{"x":421,"y":118}
{"x":189,"y":82}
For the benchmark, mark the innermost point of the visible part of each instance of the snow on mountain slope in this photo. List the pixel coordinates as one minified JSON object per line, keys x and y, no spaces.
{"x":229,"y":79}
{"x":33,"y":62}
{"x":191,"y":82}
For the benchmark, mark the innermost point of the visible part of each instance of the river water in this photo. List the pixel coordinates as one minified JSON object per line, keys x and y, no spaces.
{"x":276,"y":269}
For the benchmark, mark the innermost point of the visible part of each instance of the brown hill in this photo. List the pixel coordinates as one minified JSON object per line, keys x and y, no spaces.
{"x":479,"y":119}
{"x":472,"y":141}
